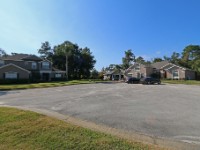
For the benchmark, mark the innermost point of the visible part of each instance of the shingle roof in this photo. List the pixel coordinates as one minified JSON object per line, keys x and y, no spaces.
{"x":158,"y":65}
{"x":21,"y":57}
{"x":32,"y":57}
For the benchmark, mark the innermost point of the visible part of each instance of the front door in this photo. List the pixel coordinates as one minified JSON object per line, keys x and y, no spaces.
{"x":138,"y":75}
{"x":45,"y":76}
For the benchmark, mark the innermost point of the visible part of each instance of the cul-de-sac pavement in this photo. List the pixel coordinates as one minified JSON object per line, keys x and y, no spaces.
{"x":170,"y":112}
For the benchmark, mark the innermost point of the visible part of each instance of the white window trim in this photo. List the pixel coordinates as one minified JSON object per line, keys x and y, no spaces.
{"x":173,"y":74}
{"x":2,"y":62}
{"x":130,"y":74}
{"x":9,"y":75}
{"x":58,"y":75}
{"x":45,"y":66}
{"x":138,"y":67}
{"x":34,"y":65}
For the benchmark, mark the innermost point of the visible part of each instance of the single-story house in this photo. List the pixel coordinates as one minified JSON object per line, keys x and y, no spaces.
{"x":114,"y":75}
{"x":164,"y":69}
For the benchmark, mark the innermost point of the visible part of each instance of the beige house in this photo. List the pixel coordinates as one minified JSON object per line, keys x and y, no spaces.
{"x":24,"y":66}
{"x":139,"y":71}
{"x":164,"y":69}
{"x":114,"y":75}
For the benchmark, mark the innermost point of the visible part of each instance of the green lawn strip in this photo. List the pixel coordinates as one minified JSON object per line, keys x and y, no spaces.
{"x":186,"y":82}
{"x":47,"y":84}
{"x":28,"y":130}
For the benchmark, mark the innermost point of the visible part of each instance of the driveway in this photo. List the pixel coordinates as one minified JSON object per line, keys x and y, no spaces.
{"x":164,"y":111}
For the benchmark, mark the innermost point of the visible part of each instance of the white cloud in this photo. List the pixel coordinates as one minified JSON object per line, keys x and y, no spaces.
{"x":146,"y":57}
{"x":158,"y":52}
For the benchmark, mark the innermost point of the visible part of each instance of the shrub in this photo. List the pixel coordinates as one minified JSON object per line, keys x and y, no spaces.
{"x":14,"y":81}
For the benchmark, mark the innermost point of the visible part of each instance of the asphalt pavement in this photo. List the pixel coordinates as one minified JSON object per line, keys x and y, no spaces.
{"x":163,"y":111}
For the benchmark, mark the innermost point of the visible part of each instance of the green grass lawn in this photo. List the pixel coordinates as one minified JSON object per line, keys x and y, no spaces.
{"x":46,"y":84}
{"x":187,"y":82}
{"x":28,"y":130}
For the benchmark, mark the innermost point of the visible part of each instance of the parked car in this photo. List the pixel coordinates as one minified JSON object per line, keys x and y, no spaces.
{"x":132,"y":80}
{"x":150,"y":80}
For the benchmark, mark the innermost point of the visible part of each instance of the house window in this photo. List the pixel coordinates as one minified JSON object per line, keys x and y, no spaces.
{"x":175,"y":74}
{"x":34,"y":65}
{"x":130,"y":74}
{"x":137,"y":67}
{"x":11,"y":75}
{"x":45,"y":65}
{"x":1,"y":62}
{"x":58,"y":75}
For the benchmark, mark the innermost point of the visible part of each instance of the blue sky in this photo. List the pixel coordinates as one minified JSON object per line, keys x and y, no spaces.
{"x":151,"y":28}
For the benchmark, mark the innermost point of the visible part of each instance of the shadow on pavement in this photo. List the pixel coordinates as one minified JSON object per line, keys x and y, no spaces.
{"x":7,"y":92}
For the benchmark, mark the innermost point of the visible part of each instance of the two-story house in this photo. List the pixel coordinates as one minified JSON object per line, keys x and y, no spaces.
{"x":24,"y":66}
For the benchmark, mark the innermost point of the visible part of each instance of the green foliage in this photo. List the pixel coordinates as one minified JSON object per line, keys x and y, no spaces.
{"x":94,"y":74}
{"x":45,"y":51}
{"x":157,"y":59}
{"x":187,"y":82}
{"x":166,"y":58}
{"x":65,"y":48}
{"x":140,"y":60}
{"x":16,"y":85}
{"x":129,"y":57}
{"x":2,"y":52}
{"x":28,"y":130}
{"x":77,"y":62}
{"x":101,"y":75}
{"x":87,"y":62}
{"x":14,"y":81}
{"x":175,"y":58}
{"x":191,"y":57}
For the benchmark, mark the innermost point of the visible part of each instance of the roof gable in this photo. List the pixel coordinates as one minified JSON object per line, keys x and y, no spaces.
{"x":14,"y":66}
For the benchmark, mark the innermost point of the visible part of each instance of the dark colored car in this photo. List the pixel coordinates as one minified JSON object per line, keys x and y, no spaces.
{"x":133,"y":80}
{"x":150,"y":80}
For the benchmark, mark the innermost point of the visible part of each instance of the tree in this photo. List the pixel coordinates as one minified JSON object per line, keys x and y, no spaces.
{"x":129,"y":57}
{"x":77,"y":62}
{"x":87,"y":62}
{"x":2,"y":52}
{"x":157,"y":59}
{"x":118,"y":67}
{"x":94,"y":74}
{"x":65,"y":49}
{"x":191,"y":57}
{"x":166,"y":58}
{"x":45,"y":51}
{"x":140,"y":60}
{"x":101,"y":73}
{"x":175,"y":58}
{"x":113,"y":67}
